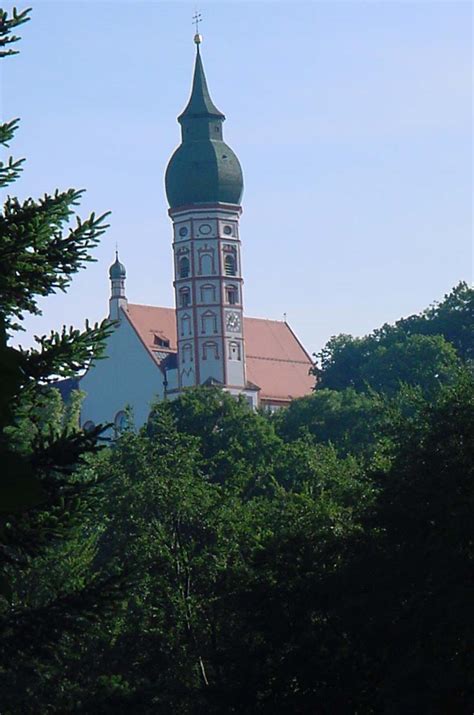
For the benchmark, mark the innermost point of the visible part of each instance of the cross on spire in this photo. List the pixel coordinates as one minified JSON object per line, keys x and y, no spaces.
{"x":197,"y":18}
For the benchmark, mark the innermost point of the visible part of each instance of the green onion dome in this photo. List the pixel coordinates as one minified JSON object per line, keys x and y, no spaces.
{"x":117,"y":269}
{"x":203,"y":169}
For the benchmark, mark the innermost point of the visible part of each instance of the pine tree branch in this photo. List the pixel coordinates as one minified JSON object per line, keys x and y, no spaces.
{"x":65,"y":354}
{"x":7,"y":24}
{"x":11,"y":169}
{"x":35,"y":245}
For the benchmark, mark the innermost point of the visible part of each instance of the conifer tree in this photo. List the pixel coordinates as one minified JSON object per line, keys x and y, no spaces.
{"x":39,"y":253}
{"x":45,"y":552}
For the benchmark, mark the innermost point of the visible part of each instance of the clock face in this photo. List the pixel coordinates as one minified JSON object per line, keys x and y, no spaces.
{"x":233,"y":322}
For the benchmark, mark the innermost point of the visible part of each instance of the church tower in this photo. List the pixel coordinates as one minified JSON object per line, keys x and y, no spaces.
{"x":204,"y":187}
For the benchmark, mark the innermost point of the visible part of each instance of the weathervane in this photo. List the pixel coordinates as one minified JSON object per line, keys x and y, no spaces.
{"x":197,"y":18}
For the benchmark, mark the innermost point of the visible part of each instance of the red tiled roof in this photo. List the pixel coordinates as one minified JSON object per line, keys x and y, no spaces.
{"x":149,"y":321}
{"x":275,"y":359}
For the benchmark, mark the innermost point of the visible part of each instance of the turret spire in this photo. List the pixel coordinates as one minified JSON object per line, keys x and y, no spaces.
{"x":118,"y":298}
{"x":200,"y":103}
{"x":203,"y":169}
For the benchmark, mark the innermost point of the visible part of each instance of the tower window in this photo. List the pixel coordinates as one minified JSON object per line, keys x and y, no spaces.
{"x":210,"y":351}
{"x":187,"y":353}
{"x":206,"y":263}
{"x":208,"y":294}
{"x":186,"y":325}
{"x":184,"y":267}
{"x":229,"y":265}
{"x":209,"y":322}
{"x":234,"y":350}
{"x":184,"y":297}
{"x":232,"y":295}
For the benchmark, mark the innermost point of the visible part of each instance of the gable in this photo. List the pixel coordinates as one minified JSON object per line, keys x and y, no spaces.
{"x":127,"y":376}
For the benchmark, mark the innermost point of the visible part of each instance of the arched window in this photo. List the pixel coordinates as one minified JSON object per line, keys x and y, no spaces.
{"x":229,"y":265}
{"x":184,"y":267}
{"x":184,"y":297}
{"x":187,"y":353}
{"x":232,"y":295}
{"x":208,"y":294}
{"x":209,"y":322}
{"x":185,"y":325}
{"x":234,"y":350}
{"x":206,"y":264}
{"x":210,"y":351}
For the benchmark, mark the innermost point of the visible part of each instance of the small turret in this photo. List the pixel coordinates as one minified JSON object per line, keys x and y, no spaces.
{"x":118,"y":299}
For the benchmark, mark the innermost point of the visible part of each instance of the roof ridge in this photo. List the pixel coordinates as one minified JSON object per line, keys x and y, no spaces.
{"x":268,"y":320}
{"x":155,"y":307}
{"x":249,"y":317}
{"x":273,"y":359}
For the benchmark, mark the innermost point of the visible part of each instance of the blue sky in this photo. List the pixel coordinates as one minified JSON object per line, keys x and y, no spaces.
{"x":352,"y":121}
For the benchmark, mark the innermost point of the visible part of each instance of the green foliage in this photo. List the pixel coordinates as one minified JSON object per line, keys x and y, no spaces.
{"x":8,"y":23}
{"x":205,"y":549}
{"x":354,"y":422}
{"x":50,"y":588}
{"x":306,"y":580}
{"x":421,"y":350}
{"x":238,"y":446}
{"x":10,"y":170}
{"x":453,"y":318}
{"x":39,"y":252}
{"x":414,"y":563}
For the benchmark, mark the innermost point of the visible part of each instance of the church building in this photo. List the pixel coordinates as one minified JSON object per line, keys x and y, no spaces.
{"x":154,"y":353}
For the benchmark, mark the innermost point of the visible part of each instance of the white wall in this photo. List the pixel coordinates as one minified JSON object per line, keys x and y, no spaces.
{"x":128,"y":375}
{"x":235,"y":368}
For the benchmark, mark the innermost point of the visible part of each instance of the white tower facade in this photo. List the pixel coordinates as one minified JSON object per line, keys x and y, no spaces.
{"x":208,"y":291}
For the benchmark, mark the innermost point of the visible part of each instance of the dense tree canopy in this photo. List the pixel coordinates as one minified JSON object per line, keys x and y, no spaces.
{"x":420,"y":350}
{"x":298,"y":578}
